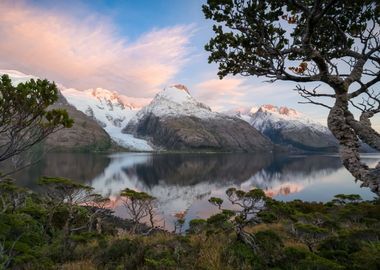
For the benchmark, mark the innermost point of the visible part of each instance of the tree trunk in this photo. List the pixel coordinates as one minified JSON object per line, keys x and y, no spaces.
{"x":364,"y":129}
{"x":349,"y":145}
{"x":99,"y":225}
{"x":247,"y":238}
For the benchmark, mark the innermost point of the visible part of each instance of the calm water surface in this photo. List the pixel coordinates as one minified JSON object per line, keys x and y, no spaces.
{"x":184,"y":182}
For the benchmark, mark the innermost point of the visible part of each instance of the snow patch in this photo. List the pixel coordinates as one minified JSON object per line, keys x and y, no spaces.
{"x":111,"y":110}
{"x":270,"y":116}
{"x":176,"y":101}
{"x":17,"y":76}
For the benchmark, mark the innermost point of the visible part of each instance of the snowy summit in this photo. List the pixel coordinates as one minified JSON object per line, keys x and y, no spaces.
{"x":175,"y":100}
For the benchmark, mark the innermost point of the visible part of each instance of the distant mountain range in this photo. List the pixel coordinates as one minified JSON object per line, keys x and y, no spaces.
{"x":174,"y":120}
{"x":289,"y":128}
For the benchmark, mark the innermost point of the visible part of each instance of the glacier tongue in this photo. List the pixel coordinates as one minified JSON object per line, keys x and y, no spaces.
{"x":112,"y":111}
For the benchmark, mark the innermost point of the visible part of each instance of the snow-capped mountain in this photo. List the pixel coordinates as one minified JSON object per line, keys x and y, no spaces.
{"x":17,"y":76}
{"x":282,"y":117}
{"x":288,"y":127}
{"x":111,"y":110}
{"x":177,"y":121}
{"x":85,"y":135}
{"x":175,"y":101}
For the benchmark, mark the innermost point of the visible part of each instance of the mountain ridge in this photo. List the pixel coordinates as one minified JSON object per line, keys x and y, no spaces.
{"x":290,"y":128}
{"x":177,"y":121}
{"x":131,"y":122}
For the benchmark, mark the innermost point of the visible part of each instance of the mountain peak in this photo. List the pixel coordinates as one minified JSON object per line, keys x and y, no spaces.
{"x":177,"y":93}
{"x":101,"y":93}
{"x":175,"y":100}
{"x":181,"y":87}
{"x":283,"y":112}
{"x":104,"y":93}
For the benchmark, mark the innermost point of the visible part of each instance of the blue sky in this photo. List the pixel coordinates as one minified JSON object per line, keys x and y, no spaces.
{"x":134,"y":47}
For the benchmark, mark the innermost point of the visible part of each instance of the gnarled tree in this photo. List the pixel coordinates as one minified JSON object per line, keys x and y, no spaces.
{"x":332,"y":42}
{"x":139,"y":205}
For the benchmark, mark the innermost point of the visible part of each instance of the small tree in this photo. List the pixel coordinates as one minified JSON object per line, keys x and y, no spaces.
{"x":333,"y":42}
{"x":139,"y":205}
{"x":250,"y":204}
{"x":69,"y":195}
{"x":216,"y":201}
{"x":344,"y":199}
{"x":310,"y":234}
{"x":179,"y":221}
{"x":25,"y":119}
{"x":11,"y":196}
{"x":98,"y":209}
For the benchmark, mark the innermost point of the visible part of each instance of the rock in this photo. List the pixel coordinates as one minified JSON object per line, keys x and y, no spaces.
{"x":86,"y":135}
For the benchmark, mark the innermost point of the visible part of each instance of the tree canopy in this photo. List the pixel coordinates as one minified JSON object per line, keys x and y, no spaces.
{"x":334,"y":42}
{"x":25,"y":117}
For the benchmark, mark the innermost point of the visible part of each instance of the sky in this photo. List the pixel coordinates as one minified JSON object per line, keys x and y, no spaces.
{"x":133,"y":47}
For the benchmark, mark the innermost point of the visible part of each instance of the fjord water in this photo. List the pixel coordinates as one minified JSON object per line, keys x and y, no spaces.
{"x":184,"y":182}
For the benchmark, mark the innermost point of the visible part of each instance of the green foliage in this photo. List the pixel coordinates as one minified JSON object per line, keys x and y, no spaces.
{"x":275,"y":211}
{"x":216,"y":201}
{"x":313,"y":262}
{"x":25,"y":117}
{"x":135,"y":195}
{"x":368,"y":257}
{"x":239,"y":255}
{"x":249,"y":204}
{"x":197,"y":225}
{"x":22,"y":239}
{"x":250,"y":37}
{"x":220,"y":221}
{"x":61,"y":183}
{"x":160,"y":258}
{"x":46,"y":232}
{"x":122,"y":252}
{"x":140,"y":205}
{"x":269,"y":247}
{"x":343,"y":198}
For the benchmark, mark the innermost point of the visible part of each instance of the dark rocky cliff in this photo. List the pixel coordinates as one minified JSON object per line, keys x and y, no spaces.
{"x":192,"y":133}
{"x":86,"y":135}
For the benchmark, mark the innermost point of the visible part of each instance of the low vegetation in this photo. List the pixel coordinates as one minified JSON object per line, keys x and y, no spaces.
{"x":66,"y":226}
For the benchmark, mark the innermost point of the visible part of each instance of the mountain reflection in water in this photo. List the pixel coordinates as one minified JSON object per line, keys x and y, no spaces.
{"x":185,"y":181}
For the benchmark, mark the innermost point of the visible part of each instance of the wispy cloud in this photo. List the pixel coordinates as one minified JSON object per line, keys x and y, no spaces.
{"x":220,"y":94}
{"x":88,"y":52}
{"x":235,"y":92}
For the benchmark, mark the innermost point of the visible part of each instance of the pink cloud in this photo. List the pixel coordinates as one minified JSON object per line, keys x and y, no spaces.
{"x":235,"y":93}
{"x":88,"y":52}
{"x":221,"y":93}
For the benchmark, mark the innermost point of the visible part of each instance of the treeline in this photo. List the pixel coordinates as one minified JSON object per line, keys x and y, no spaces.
{"x":67,"y":226}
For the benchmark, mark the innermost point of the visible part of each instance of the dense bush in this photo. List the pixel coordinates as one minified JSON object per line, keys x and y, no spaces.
{"x":45,"y":232}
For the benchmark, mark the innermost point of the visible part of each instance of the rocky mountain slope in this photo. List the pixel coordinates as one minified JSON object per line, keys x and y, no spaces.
{"x":174,"y":120}
{"x":112,"y":111}
{"x":85,"y":135}
{"x":286,"y":126}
